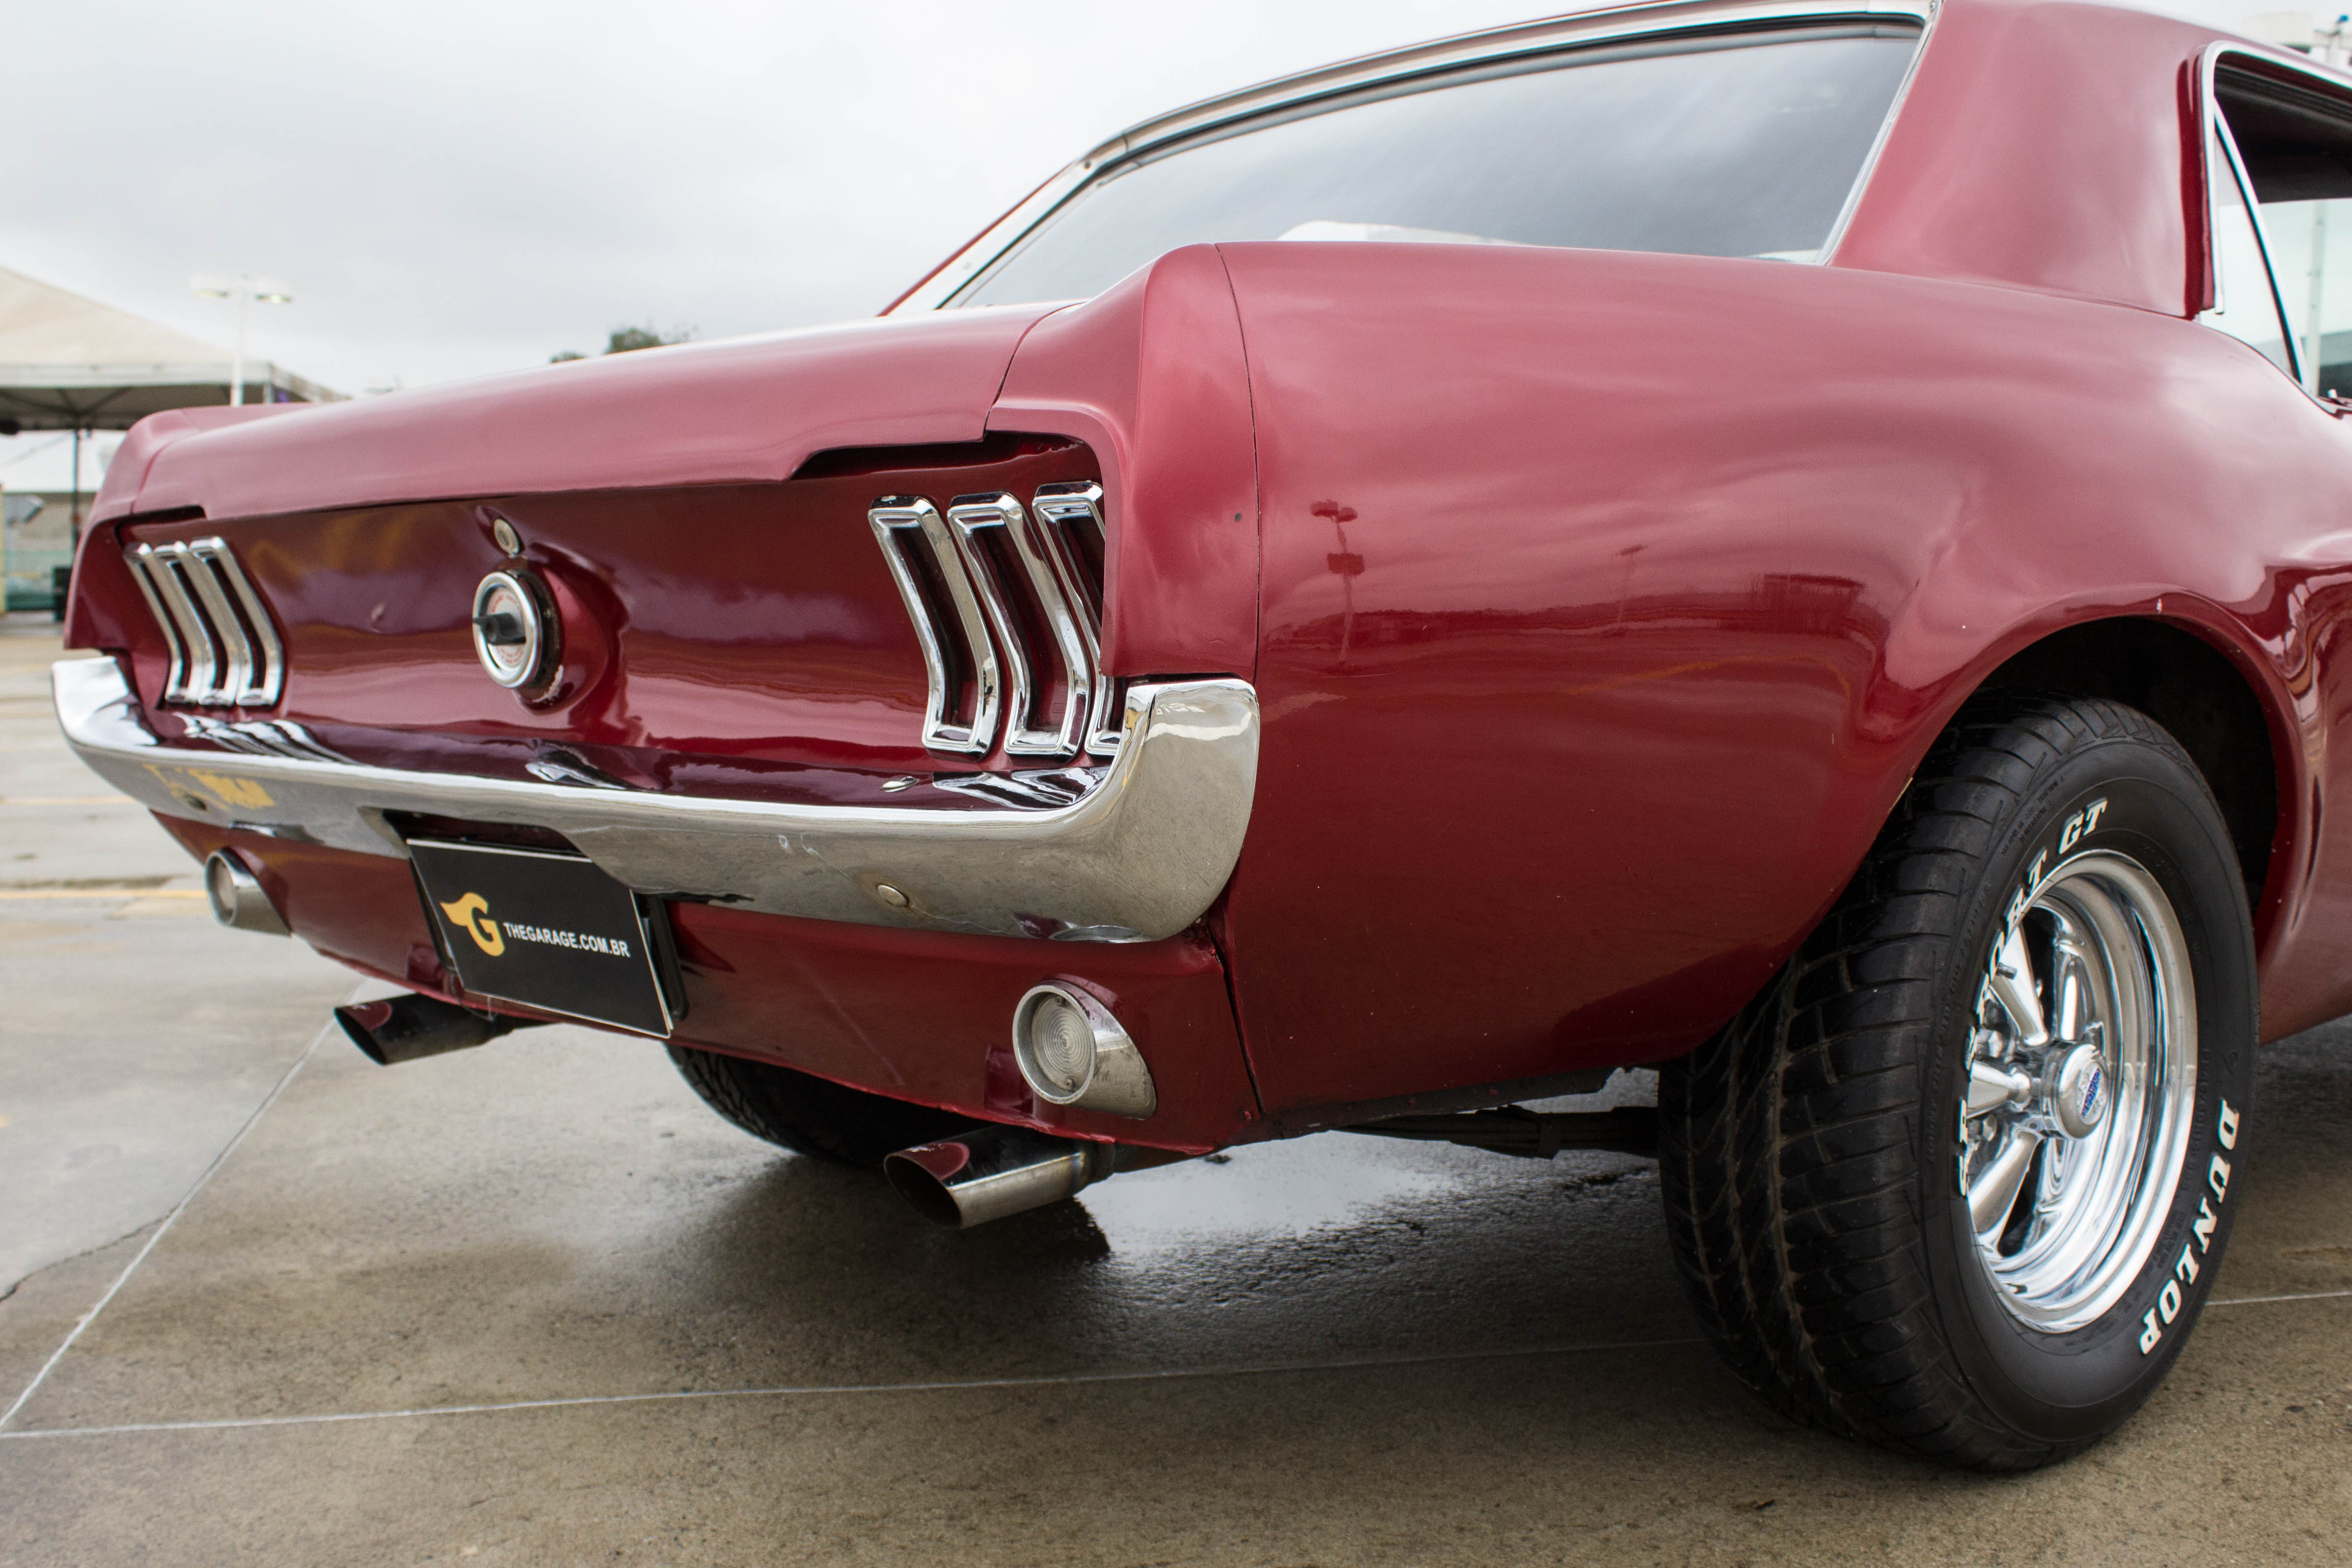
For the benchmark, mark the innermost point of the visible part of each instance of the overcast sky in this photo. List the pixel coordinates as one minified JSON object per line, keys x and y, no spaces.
{"x":455,"y":189}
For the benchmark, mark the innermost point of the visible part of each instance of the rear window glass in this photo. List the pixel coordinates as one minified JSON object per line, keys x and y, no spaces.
{"x":1744,"y":146}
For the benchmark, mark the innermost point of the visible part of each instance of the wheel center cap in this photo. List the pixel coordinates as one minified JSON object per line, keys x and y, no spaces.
{"x":2078,"y":1093}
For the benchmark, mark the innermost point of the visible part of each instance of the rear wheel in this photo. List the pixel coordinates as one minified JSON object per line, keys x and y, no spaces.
{"x":811,"y":1115}
{"x":1959,"y":1180}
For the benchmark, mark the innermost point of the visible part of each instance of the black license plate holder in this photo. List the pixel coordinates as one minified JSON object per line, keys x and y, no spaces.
{"x":546,"y":930}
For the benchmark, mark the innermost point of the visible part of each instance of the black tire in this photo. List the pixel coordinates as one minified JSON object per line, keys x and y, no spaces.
{"x":1809,"y":1151}
{"x":811,"y":1115}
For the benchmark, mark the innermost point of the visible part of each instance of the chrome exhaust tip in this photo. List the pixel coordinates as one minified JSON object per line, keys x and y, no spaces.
{"x":238,"y":898}
{"x":995,"y":1172}
{"x":405,"y":1028}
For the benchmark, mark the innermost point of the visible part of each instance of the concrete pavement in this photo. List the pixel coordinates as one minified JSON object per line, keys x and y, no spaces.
{"x":534,"y":1303}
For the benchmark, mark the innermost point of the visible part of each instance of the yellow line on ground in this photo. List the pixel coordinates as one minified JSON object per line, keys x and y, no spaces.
{"x":101,"y":893}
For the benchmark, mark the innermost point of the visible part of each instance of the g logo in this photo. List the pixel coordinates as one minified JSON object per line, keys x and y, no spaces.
{"x":472,"y":913}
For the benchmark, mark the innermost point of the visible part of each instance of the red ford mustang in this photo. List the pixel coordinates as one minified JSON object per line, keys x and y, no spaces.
{"x":1804,"y":546}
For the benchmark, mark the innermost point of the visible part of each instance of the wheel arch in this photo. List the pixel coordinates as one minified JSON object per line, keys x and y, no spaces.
{"x":2188,"y":679}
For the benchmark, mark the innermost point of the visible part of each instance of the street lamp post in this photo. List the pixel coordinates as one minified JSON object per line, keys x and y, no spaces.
{"x":244,"y":289}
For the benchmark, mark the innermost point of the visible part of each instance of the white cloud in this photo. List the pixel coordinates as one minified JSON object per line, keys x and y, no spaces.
{"x":455,"y":189}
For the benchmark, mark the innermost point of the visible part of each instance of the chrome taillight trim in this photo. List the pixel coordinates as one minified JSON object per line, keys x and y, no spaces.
{"x":175,"y":673}
{"x":1058,"y":734}
{"x":1059,"y":507}
{"x":893,"y":517}
{"x":1058,"y":580}
{"x":224,"y":648}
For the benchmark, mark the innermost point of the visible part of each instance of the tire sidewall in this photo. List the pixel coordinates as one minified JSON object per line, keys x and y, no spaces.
{"x":2069,"y":1387}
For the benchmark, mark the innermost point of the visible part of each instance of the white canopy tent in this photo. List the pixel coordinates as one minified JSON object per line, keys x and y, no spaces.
{"x":68,"y":364}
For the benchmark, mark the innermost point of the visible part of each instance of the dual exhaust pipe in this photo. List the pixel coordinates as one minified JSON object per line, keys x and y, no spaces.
{"x":986,"y":1174}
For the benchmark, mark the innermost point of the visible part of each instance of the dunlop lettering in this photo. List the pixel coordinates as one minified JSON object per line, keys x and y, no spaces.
{"x":2202,"y":1230}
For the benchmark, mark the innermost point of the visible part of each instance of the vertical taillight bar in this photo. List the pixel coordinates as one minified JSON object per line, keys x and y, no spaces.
{"x":200,"y":659}
{"x":929,"y":568}
{"x":1070,"y":519}
{"x":224,"y":648}
{"x":266,"y":656}
{"x":1028,"y":606}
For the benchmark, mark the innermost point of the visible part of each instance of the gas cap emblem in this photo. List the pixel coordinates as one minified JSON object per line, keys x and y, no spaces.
{"x":515,"y":631}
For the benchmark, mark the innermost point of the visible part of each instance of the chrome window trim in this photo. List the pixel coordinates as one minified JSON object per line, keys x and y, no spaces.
{"x":893,"y":514}
{"x":2210,"y":119}
{"x":969,"y":514}
{"x":2236,"y":173}
{"x":1142,"y":853}
{"x":1845,"y":219}
{"x":1559,"y":35}
{"x":1055,"y":506}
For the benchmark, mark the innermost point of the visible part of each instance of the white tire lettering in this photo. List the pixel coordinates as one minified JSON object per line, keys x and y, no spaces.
{"x":2186,"y":1270}
{"x":2148,"y":1332}
{"x":2217,"y":1176}
{"x":2203,"y":1226}
{"x":2227,"y":1129}
{"x":2168,"y":1302}
{"x":2016,"y":911}
{"x":2081,"y":823}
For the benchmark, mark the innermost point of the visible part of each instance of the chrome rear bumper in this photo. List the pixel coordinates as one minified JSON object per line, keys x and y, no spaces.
{"x":1138,"y":856}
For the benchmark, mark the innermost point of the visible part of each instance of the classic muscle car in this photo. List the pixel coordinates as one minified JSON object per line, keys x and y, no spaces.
{"x":1801,"y":545}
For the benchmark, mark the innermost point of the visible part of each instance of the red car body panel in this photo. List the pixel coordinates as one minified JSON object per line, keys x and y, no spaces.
{"x":1600,"y":605}
{"x":2040,"y":146}
{"x":720,"y":640}
{"x":1587,"y":679}
{"x":743,"y":410}
{"x":918,"y":1016}
{"x":1152,"y":377}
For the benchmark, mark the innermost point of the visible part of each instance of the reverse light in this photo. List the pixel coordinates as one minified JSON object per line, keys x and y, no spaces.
{"x":1072,"y":1051}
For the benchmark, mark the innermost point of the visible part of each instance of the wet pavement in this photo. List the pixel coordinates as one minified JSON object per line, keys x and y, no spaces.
{"x":533,"y":1303}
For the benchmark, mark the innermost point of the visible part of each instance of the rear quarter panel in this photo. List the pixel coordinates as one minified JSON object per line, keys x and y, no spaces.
{"x":1610,"y":600}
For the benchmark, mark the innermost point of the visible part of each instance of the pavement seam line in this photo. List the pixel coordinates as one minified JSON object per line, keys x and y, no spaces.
{"x":161,"y":1231}
{"x":2265,"y":1300}
{"x":794,"y":1391}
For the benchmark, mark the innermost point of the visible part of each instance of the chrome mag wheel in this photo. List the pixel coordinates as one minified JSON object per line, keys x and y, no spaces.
{"x":2081,"y":1081}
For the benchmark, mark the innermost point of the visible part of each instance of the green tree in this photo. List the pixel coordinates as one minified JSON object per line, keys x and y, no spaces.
{"x":625,"y":339}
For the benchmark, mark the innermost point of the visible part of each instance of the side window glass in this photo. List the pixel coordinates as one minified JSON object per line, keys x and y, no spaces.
{"x":2311,"y":252}
{"x":2245,"y":306}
